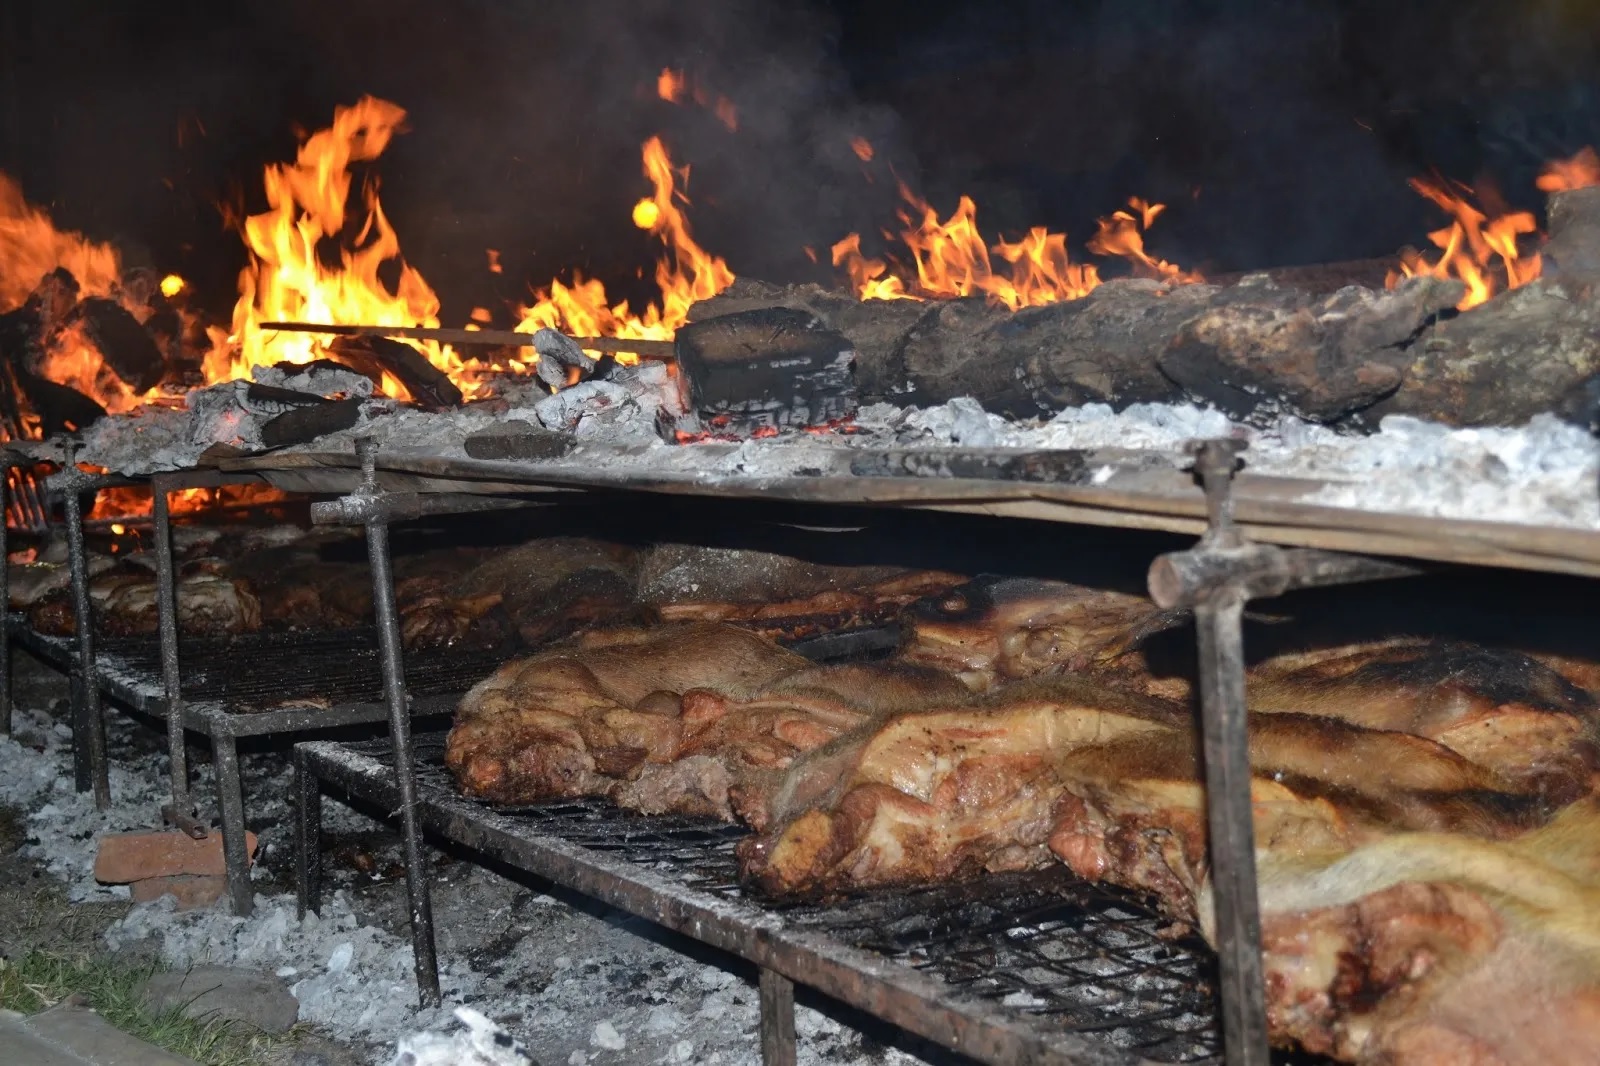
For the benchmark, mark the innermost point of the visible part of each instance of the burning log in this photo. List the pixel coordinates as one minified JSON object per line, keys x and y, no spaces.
{"x":766,"y":369}
{"x":306,"y":423}
{"x":125,"y":345}
{"x":429,"y":386}
{"x":1254,"y":349}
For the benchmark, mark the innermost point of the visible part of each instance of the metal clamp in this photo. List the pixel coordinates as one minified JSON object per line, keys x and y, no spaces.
{"x":1216,"y":578}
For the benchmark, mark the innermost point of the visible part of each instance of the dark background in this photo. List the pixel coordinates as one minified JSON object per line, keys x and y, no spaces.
{"x":1280,"y":132}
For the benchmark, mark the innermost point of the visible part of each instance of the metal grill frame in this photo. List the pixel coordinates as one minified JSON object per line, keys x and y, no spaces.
{"x":789,"y":943}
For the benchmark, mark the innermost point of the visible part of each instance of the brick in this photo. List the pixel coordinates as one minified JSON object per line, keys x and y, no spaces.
{"x":124,"y":858}
{"x":189,"y":890}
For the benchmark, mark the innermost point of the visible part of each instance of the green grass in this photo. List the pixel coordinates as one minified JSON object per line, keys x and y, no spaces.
{"x":41,"y":979}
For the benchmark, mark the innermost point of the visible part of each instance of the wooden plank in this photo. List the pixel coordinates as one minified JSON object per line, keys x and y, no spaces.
{"x":1147,"y":497}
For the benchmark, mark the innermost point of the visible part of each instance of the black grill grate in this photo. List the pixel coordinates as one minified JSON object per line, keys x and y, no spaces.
{"x":1070,"y":955}
{"x":262,"y":671}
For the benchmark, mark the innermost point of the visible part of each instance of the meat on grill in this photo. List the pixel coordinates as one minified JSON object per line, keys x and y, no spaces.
{"x":994,"y":630}
{"x":123,"y":598}
{"x":695,"y":718}
{"x":776,"y":595}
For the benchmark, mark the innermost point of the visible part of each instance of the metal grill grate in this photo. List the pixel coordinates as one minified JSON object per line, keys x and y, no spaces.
{"x":1067,"y":954}
{"x":262,"y":671}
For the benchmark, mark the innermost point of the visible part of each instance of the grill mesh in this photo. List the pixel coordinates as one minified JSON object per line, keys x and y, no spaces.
{"x":1071,"y":955}
{"x":259,"y":671}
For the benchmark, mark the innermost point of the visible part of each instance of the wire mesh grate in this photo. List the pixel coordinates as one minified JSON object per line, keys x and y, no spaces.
{"x":1069,"y":955}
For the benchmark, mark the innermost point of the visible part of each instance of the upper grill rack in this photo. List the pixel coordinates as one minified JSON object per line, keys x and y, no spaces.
{"x":1070,"y":955}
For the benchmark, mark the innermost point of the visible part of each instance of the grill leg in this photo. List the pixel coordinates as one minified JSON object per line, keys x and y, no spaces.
{"x":235,"y":850}
{"x":307,"y":837}
{"x":89,"y":724}
{"x":394,"y":685}
{"x":777,"y":1019}
{"x":1219,"y":624}
{"x":167,"y":619}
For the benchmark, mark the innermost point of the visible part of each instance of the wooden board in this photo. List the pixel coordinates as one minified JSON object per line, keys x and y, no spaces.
{"x":1137,"y":495}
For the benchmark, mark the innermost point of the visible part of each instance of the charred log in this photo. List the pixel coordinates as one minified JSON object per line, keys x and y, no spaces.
{"x":60,"y":408}
{"x":1255,"y":349}
{"x":124,"y":344}
{"x":766,"y":368}
{"x":430,"y":387}
{"x":307,"y":423}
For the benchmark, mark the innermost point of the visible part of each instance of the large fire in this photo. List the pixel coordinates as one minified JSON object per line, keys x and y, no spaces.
{"x":323,"y":249}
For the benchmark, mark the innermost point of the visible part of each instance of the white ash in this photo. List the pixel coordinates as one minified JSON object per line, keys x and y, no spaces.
{"x":483,"y":1044}
{"x":327,"y":381}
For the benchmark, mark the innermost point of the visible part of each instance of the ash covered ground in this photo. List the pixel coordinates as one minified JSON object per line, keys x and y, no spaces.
{"x":574,"y":982}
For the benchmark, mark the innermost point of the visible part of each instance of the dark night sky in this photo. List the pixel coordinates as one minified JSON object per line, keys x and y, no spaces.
{"x":1281,"y":132}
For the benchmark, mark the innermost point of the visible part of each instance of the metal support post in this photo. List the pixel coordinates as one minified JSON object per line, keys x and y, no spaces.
{"x":235,"y":844}
{"x":777,"y":1019}
{"x":180,"y":812}
{"x":89,"y":725}
{"x":394,"y":687}
{"x":1217,"y":578}
{"x":307,"y":837}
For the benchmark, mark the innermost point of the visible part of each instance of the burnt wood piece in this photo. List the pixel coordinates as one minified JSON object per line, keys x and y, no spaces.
{"x":307,"y":423}
{"x":430,"y":387}
{"x":60,"y":408}
{"x":124,"y":344}
{"x":518,"y":440}
{"x":272,"y":394}
{"x":769,"y":368}
{"x":1255,"y":349}
{"x":1062,"y":467}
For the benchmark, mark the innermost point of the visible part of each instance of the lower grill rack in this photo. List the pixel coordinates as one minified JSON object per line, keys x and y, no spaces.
{"x":1036,"y":967}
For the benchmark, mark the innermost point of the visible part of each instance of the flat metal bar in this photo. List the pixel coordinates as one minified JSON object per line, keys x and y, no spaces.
{"x":498,"y":338}
{"x":1219,"y":623}
{"x":235,"y":845}
{"x":89,"y":725}
{"x":307,"y":836}
{"x":405,"y":506}
{"x":167,"y":626}
{"x":1183,"y":579}
{"x":777,"y":1019}
{"x":425,"y":956}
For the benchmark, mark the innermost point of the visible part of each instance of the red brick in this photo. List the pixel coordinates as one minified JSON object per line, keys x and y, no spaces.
{"x":128,"y":857}
{"x":190,"y":891}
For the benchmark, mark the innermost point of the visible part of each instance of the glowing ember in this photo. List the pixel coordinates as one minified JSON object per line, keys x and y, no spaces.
{"x":952,"y":258}
{"x":171,"y":285}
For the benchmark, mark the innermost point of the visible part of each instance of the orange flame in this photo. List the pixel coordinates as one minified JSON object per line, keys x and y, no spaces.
{"x":30,"y":248}
{"x":120,"y":502}
{"x":1564,"y":175}
{"x":673,"y":87}
{"x":862,"y":148}
{"x":952,"y":258}
{"x":288,"y":279}
{"x":686,"y":274}
{"x":1470,"y":245}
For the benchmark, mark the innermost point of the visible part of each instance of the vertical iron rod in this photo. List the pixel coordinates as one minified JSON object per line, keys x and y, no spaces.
{"x":167,"y":621}
{"x":1230,"y":818}
{"x":307,"y":837}
{"x":89,"y":724}
{"x":235,"y":844}
{"x":777,"y":1019}
{"x":394,"y":686}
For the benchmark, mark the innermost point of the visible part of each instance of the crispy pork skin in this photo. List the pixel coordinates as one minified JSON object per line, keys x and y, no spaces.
{"x":1423,"y":949}
{"x":776,"y":595}
{"x":569,"y":721}
{"x":993,"y":630}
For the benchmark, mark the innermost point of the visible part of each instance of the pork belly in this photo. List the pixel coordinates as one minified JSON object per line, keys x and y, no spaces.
{"x":775,"y":595}
{"x":123,"y":599}
{"x":1427,"y":949}
{"x":993,"y":630}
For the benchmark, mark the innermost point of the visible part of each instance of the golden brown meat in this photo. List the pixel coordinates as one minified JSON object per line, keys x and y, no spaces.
{"x":569,"y":721}
{"x":994,"y":630}
{"x":775,"y":595}
{"x":122,"y":600}
{"x":1428,"y":949}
